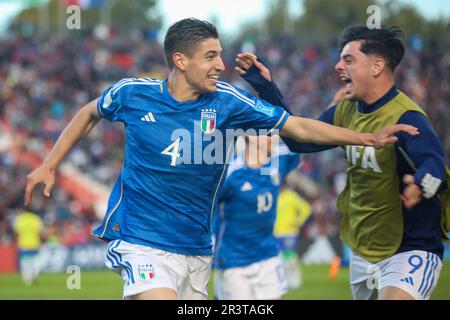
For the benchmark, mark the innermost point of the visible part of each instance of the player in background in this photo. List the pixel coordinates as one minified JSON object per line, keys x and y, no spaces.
{"x":292,"y":213}
{"x":391,"y":212}
{"x":28,"y":227}
{"x":158,"y":220}
{"x":247,"y":258}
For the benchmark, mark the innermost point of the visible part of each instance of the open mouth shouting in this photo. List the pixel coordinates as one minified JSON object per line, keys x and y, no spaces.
{"x":348,"y":84}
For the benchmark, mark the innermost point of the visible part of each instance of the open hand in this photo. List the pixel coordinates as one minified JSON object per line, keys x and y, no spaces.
{"x":386,"y":136}
{"x":245,"y":60}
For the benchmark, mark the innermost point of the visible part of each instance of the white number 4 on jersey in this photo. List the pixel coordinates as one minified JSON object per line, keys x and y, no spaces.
{"x":172,"y":151}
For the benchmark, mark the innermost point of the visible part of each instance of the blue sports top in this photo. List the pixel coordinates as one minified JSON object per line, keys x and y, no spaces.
{"x":243,"y":225}
{"x":175,"y":160}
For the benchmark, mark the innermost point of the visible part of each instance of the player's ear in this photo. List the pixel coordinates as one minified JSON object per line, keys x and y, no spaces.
{"x":179,"y":60}
{"x":378,"y":66}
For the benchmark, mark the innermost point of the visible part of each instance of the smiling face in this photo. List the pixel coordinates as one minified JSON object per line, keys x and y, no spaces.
{"x":202,"y":66}
{"x":355,"y":69}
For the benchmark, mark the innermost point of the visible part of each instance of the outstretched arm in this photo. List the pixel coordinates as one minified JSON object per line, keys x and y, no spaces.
{"x":81,"y":124}
{"x":308,"y":130}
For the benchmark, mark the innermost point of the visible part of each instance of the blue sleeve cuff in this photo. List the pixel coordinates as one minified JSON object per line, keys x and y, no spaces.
{"x":266,"y":89}
{"x":424,"y":151}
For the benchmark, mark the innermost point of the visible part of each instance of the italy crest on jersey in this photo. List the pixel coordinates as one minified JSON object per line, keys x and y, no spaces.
{"x":146,"y":271}
{"x":208,"y":121}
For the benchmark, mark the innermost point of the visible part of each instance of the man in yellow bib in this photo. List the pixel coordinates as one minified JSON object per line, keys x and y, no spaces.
{"x":391,"y":212}
{"x":28,"y":227}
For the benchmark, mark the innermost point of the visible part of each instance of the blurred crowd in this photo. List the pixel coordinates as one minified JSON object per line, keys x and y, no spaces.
{"x":43,"y":83}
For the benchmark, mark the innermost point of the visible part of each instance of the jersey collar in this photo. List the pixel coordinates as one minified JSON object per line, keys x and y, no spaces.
{"x":173,"y":102}
{"x":368,"y":108}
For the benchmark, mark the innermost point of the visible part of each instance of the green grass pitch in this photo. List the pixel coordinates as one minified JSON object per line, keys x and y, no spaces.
{"x":108,"y":285}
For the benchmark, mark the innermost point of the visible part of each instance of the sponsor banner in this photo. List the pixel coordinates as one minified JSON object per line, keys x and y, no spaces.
{"x":56,"y":258}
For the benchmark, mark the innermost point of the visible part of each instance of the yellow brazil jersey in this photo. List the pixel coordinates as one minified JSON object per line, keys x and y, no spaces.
{"x":28,"y":227}
{"x":292,"y":212}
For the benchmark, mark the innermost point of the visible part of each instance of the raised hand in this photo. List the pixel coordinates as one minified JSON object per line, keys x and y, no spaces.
{"x":245,"y":60}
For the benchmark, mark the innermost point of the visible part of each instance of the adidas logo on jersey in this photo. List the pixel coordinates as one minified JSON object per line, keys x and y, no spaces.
{"x":408,"y":280}
{"x":246,"y":187}
{"x":148,"y":117}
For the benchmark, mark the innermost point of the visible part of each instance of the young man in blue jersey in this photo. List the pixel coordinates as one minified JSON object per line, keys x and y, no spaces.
{"x":391,"y":212}
{"x":159,"y":211}
{"x":246,"y":253}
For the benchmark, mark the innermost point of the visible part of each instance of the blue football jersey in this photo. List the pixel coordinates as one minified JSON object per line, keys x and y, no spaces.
{"x":174,"y":161}
{"x":244,"y":221}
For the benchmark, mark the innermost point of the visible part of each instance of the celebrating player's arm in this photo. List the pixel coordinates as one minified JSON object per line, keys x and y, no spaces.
{"x":81,"y":124}
{"x":303,"y":129}
{"x":425,"y":150}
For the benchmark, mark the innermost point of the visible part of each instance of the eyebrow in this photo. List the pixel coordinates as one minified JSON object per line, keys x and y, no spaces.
{"x":212,"y":52}
{"x":348,"y":55}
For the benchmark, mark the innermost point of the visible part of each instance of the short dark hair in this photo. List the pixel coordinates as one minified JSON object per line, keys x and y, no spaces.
{"x":385,"y":42}
{"x":183,"y":35}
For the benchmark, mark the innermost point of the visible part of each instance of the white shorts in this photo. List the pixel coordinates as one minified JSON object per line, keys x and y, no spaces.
{"x":144,"y":268}
{"x":258,"y":281}
{"x":415,"y":272}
